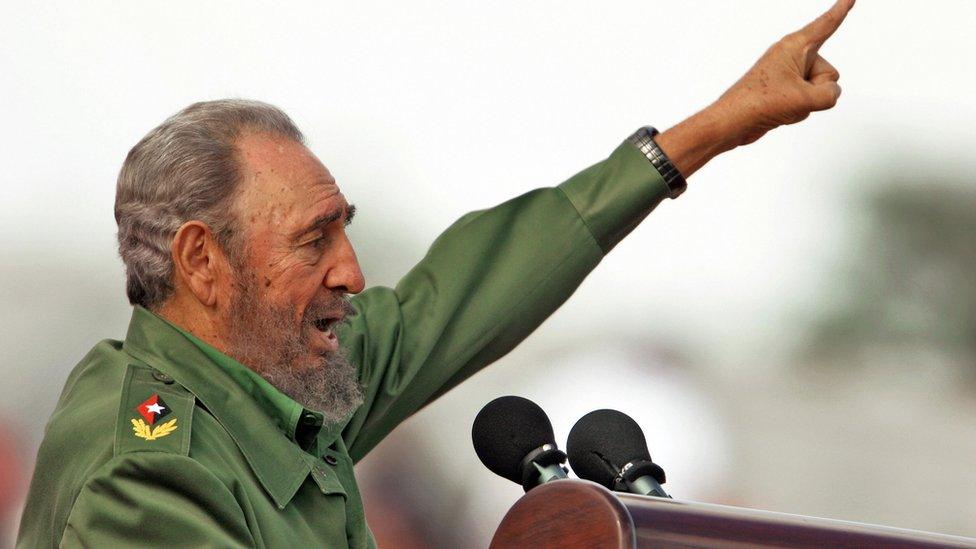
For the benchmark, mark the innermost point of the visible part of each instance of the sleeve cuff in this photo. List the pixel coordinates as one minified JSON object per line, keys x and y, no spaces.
{"x":615,"y":195}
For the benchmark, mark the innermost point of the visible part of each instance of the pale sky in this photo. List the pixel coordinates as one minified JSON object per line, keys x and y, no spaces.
{"x":424,"y":111}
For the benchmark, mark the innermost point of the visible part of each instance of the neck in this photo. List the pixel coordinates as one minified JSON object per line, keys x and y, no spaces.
{"x":196,"y":319}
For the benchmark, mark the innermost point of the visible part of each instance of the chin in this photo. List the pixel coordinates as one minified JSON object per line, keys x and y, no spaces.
{"x":309,"y":362}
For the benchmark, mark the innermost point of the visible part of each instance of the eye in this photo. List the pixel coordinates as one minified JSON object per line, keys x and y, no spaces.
{"x":318,"y":242}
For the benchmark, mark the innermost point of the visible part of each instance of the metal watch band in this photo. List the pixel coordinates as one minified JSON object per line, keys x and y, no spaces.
{"x":643,"y":139}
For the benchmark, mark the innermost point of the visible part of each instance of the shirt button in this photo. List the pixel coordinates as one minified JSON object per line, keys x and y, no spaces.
{"x":331,"y":460}
{"x":159,"y":376}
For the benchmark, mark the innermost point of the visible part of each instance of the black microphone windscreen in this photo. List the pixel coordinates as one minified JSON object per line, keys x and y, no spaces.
{"x":602,"y":442}
{"x":506,"y":430}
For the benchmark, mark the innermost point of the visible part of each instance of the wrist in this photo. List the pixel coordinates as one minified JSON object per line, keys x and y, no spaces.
{"x":643,"y":140}
{"x":699,"y":138}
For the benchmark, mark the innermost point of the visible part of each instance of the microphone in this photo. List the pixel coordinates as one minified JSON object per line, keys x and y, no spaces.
{"x":609,"y":448}
{"x":513,"y":437}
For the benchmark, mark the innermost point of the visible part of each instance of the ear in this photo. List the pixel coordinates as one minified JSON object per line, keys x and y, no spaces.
{"x":197,"y":261}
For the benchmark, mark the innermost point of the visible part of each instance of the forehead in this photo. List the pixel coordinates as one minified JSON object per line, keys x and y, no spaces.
{"x":283,"y":182}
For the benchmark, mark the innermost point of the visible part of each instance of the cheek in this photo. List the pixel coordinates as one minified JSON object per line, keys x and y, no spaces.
{"x":294,"y":277}
{"x":296,"y":286}
{"x":284,"y":270}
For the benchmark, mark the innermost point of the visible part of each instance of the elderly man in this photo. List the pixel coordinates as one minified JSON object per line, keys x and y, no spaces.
{"x":249,"y":383}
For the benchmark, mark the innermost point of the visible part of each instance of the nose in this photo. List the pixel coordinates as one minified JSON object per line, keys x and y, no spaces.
{"x":345,"y":274}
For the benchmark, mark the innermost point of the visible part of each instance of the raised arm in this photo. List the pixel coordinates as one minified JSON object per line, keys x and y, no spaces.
{"x":495,"y":275}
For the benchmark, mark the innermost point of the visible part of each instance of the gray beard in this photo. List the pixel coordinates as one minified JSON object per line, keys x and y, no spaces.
{"x":264,"y":338}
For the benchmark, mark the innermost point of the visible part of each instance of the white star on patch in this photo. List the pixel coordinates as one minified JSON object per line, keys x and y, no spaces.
{"x":155,"y":408}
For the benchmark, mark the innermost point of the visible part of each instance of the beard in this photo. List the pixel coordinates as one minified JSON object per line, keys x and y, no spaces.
{"x":264,"y":337}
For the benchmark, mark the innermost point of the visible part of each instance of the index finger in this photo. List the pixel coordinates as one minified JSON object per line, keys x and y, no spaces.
{"x":820,"y":29}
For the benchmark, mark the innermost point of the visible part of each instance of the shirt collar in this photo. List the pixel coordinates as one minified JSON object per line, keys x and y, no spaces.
{"x":298,"y":423}
{"x":260,"y":419}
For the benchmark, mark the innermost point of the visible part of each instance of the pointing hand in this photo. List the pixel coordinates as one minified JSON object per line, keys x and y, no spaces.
{"x":789,"y":81}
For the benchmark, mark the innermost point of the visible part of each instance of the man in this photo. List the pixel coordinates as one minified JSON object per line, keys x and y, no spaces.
{"x":231,"y":415}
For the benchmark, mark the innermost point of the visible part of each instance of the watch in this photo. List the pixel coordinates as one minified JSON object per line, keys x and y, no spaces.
{"x":643,"y":139}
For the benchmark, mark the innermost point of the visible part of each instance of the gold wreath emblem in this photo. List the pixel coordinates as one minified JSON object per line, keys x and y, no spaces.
{"x":145,"y":431}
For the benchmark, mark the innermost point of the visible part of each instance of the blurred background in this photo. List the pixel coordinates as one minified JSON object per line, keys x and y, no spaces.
{"x":796,"y":333}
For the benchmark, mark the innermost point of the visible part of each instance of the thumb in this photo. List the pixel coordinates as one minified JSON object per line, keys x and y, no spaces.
{"x":824,"y":95}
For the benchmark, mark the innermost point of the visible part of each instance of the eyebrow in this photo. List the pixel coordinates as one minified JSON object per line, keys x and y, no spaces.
{"x":325,"y":219}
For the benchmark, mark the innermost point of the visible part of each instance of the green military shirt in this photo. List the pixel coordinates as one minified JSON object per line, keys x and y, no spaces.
{"x":161,"y":440}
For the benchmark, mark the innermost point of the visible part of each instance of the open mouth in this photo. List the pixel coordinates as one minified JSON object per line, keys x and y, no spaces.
{"x":325,"y":324}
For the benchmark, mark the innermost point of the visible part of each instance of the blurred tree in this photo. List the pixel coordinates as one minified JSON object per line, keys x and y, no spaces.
{"x":908,"y":283}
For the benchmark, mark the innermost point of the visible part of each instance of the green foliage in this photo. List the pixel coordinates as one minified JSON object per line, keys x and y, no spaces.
{"x":911,"y":280}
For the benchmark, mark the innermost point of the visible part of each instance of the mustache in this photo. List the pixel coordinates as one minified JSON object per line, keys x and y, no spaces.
{"x":336,"y":305}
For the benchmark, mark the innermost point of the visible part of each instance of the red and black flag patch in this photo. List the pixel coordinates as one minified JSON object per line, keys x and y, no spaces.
{"x":153,"y":409}
{"x":152,"y":421}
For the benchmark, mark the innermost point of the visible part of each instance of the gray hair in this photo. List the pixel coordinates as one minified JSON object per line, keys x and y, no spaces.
{"x":187,"y":168}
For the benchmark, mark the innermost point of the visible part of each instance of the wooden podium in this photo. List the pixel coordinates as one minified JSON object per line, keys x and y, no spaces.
{"x":583,"y":514}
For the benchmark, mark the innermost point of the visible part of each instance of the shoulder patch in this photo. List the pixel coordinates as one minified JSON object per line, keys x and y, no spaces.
{"x":155,"y":413}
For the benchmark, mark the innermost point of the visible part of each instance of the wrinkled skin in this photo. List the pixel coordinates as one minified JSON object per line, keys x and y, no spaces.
{"x":260,"y":303}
